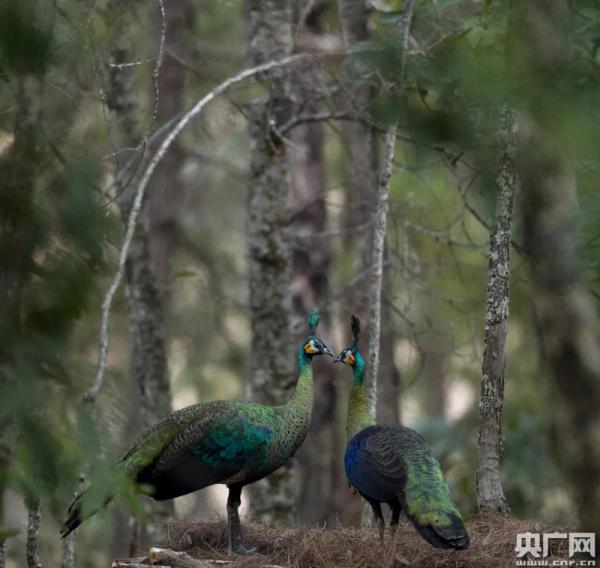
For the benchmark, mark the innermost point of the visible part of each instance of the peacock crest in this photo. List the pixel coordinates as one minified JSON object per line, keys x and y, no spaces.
{"x":313,"y":321}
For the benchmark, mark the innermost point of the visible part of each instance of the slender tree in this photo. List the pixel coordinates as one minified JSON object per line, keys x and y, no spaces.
{"x":490,"y":496}
{"x":272,"y":360}
{"x":381,"y":206}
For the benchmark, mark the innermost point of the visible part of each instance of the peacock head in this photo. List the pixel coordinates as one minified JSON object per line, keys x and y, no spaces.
{"x":350,"y":355}
{"x":313,"y":344}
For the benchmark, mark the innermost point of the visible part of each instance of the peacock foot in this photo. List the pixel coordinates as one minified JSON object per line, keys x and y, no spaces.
{"x":242,"y":550}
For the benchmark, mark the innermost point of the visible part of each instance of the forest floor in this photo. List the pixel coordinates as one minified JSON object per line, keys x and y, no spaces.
{"x":493,"y":540}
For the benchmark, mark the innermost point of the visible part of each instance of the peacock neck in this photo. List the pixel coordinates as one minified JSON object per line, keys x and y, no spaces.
{"x":303,"y":396}
{"x":359,"y":415}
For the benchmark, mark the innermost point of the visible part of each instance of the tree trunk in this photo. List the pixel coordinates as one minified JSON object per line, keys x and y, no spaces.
{"x":362,"y":163}
{"x":389,"y":383}
{"x":490,"y":496}
{"x":566,"y":314}
{"x":33,"y":531}
{"x":434,"y":353}
{"x":311,"y":257}
{"x":165,"y":192}
{"x":144,"y":301}
{"x":362,"y":153}
{"x":376,"y":286}
{"x":272,"y":359}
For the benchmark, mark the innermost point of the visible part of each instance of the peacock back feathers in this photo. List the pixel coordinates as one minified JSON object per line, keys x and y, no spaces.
{"x":385,"y":463}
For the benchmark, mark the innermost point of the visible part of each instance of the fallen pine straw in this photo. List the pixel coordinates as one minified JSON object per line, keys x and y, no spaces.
{"x":493,"y":540}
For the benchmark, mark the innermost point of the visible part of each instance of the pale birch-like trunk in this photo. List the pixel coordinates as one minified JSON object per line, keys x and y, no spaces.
{"x":144,"y":301}
{"x":272,"y":372}
{"x":490,"y":495}
{"x":376,"y":285}
{"x":566,"y":314}
{"x":380,"y":228}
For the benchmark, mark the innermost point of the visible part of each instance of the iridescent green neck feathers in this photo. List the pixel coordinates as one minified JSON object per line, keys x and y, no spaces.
{"x":359,"y":415}
{"x":303,"y":396}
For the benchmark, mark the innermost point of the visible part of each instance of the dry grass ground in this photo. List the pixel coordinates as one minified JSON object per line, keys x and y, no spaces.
{"x":493,"y":541}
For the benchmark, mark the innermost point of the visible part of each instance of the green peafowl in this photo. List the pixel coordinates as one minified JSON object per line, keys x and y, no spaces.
{"x":394,"y":465}
{"x":229,"y":442}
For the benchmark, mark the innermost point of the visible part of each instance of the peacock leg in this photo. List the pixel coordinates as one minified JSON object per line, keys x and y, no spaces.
{"x":233,"y":519}
{"x":376,"y":506}
{"x":396,"y":508}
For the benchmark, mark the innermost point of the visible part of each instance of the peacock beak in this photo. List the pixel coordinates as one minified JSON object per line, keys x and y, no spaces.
{"x":338,"y":359}
{"x":328,"y":351}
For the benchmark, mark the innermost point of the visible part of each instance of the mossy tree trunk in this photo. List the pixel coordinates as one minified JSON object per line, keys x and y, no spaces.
{"x":490,"y":495}
{"x":272,"y":359}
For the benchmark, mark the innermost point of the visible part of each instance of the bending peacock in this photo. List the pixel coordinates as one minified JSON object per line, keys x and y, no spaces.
{"x":229,"y":442}
{"x":394,"y":465}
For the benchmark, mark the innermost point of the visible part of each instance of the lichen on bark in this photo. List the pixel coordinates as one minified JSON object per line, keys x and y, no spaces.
{"x":272,"y":361}
{"x":490,"y":495}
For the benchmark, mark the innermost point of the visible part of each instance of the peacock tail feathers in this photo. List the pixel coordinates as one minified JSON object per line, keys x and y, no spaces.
{"x":427,"y":502}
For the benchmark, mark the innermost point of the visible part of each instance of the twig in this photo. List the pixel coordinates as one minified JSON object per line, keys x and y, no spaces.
{"x":134,"y":564}
{"x":92,"y":393}
{"x":158,"y":65}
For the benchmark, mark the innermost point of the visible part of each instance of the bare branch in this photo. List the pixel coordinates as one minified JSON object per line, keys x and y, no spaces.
{"x":175,"y":559}
{"x":92,"y":393}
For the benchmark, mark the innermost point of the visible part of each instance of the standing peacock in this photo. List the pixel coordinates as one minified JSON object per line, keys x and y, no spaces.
{"x":394,"y":465}
{"x":222,"y":441}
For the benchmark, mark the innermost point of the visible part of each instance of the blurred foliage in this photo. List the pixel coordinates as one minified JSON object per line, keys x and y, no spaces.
{"x":59,"y":232}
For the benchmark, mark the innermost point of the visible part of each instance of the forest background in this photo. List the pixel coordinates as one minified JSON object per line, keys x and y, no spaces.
{"x":241,"y":233}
